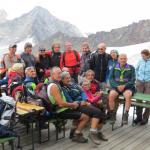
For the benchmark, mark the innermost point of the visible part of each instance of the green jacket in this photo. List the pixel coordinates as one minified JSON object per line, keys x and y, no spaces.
{"x":125,"y":76}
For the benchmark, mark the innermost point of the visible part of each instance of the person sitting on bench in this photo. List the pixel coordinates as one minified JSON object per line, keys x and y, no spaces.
{"x":122,"y":80}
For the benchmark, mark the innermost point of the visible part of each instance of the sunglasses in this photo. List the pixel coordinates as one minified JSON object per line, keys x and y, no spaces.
{"x":42,"y":50}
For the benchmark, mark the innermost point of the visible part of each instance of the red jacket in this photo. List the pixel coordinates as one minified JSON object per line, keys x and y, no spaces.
{"x":71,"y":60}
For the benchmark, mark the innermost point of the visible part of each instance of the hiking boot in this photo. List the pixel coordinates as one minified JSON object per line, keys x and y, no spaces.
{"x":144,"y":122}
{"x":79,"y":138}
{"x":72,"y":131}
{"x":94,"y":138}
{"x":137,"y":120}
{"x":125,"y":118}
{"x":101,"y":136}
{"x":112,"y":116}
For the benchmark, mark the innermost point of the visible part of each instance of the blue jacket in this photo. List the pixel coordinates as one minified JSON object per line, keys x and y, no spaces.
{"x":143,"y":70}
{"x":74,"y":93}
{"x":111,"y":64}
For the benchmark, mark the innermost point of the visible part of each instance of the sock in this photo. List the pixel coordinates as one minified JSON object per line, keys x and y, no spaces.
{"x":77,"y":132}
{"x":93,"y":130}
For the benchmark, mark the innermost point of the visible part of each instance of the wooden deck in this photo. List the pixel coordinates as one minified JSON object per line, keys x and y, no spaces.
{"x":124,"y":138}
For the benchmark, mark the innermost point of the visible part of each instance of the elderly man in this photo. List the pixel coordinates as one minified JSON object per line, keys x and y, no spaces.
{"x":122,"y":80}
{"x":71,"y":60}
{"x":66,"y":110}
{"x":99,"y":62}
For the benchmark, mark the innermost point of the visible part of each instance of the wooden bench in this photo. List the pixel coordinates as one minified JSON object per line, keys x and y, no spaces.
{"x":138,"y":99}
{"x":7,"y":139}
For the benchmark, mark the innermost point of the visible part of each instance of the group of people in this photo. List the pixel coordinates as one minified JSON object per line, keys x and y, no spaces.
{"x":75,"y":83}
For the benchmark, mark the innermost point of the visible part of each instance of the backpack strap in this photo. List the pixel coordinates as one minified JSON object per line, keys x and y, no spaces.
{"x":76,"y":55}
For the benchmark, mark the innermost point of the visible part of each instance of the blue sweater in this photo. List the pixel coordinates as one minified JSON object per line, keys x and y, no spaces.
{"x":74,"y":93}
{"x":143,"y":70}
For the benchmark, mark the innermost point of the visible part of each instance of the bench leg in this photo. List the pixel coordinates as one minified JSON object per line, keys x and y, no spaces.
{"x":12,"y":144}
{"x":123,"y":113}
{"x":134,"y":112}
{"x":3,"y":146}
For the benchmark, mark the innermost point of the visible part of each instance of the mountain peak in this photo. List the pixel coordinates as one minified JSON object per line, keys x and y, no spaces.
{"x":39,"y":11}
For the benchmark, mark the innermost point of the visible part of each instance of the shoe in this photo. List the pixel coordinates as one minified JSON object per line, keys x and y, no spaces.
{"x":79,"y":138}
{"x":101,"y":136}
{"x":94,"y":138}
{"x":125,"y":118}
{"x":112,"y":116}
{"x":144,"y":122}
{"x":137,"y":120}
{"x":71,"y":135}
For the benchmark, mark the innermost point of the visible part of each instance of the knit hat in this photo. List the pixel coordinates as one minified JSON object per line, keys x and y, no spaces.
{"x":17,"y":66}
{"x":114,"y":51}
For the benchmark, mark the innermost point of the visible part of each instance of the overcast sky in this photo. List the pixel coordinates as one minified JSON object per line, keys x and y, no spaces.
{"x":87,"y":15}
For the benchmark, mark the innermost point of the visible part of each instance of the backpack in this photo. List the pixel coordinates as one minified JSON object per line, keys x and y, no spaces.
{"x":7,"y":109}
{"x":77,"y":59}
{"x":42,"y":94}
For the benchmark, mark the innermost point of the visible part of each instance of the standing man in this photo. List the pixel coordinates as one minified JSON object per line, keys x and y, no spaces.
{"x":122,"y":81}
{"x":143,"y":85}
{"x":71,"y":60}
{"x":28,"y":58}
{"x":85,"y":58}
{"x":99,"y":62}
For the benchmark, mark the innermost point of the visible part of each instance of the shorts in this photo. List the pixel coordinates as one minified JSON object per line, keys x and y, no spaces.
{"x":132,"y":89}
{"x":69,"y":114}
{"x":92,"y":112}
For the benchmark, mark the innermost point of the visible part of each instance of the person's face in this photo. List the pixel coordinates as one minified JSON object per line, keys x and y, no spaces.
{"x":56,"y":48}
{"x":68,"y":46}
{"x":42,"y":52}
{"x":28,"y":50}
{"x":122,"y":60}
{"x":86,"y":85}
{"x":144,"y":56}
{"x":101,"y":49}
{"x":113,"y":55}
{"x":13,"y":49}
{"x":90,"y":76}
{"x":32,"y":73}
{"x":85,"y":49}
{"x":67,"y":80}
{"x":21,"y":72}
{"x":57,"y":75}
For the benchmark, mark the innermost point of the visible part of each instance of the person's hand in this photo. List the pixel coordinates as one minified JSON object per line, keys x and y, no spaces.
{"x":121,"y":88}
{"x":75,"y":105}
{"x":83,"y":103}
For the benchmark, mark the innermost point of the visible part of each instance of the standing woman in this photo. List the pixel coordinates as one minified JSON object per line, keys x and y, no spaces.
{"x":143,"y":85}
{"x":111,"y":63}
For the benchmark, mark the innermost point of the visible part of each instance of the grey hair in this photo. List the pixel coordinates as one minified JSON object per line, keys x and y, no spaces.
{"x":64,"y":74}
{"x":28,"y":69}
{"x":53,"y":70}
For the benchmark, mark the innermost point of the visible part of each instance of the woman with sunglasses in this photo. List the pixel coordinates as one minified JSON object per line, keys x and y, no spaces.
{"x":43,"y":64}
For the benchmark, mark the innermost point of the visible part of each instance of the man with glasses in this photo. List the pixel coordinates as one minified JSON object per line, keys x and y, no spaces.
{"x":99,"y":62}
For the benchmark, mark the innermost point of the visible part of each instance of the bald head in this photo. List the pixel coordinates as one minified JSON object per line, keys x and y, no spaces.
{"x":122,"y":59}
{"x":68,"y":46}
{"x":101,"y":48}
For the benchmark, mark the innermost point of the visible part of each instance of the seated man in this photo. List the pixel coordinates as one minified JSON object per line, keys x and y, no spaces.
{"x":66,"y":110}
{"x":122,"y":80}
{"x":74,"y":93}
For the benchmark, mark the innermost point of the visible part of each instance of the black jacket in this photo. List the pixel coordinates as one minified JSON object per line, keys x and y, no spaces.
{"x":99,"y":63}
{"x":55,"y":59}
